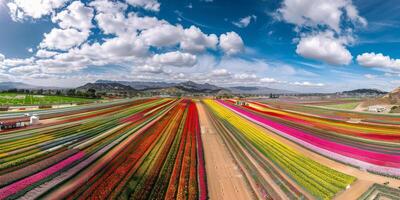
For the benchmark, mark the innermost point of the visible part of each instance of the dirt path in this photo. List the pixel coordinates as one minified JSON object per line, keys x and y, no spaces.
{"x":224,"y":179}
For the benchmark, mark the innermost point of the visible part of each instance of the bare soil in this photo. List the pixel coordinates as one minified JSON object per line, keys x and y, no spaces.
{"x":224,"y":179}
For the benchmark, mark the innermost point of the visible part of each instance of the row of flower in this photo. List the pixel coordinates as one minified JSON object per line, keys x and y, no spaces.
{"x":151,"y":149}
{"x":366,"y":159}
{"x":35,"y":156}
{"x":319,"y":180}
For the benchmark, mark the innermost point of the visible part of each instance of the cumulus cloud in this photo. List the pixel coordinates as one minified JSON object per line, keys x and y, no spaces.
{"x":152,"y":5}
{"x":106,"y":6}
{"x":22,"y":9}
{"x":245,"y":21}
{"x":378,"y":60}
{"x":369,"y":76}
{"x":42,"y":53}
{"x":231,"y":43}
{"x":324,"y":47}
{"x":245,"y":76}
{"x":24,"y":69}
{"x":63,"y":39}
{"x":132,"y":41}
{"x":308,"y":84}
{"x":13,"y":62}
{"x":220,"y":73}
{"x":194,"y":40}
{"x":176,"y":58}
{"x":331,"y":23}
{"x":316,"y":13}
{"x":164,"y":35}
{"x":150,"y":69}
{"x":269,"y":80}
{"x":76,"y":15}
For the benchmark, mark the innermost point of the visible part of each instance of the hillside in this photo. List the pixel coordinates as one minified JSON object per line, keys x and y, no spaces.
{"x":16,"y":85}
{"x":141,"y":85}
{"x":107,"y":88}
{"x":364,"y":92}
{"x":391,"y":98}
{"x":164,"y":87}
{"x":257,"y":90}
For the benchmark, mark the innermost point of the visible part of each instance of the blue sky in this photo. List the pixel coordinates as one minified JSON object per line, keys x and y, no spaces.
{"x":310,"y":45}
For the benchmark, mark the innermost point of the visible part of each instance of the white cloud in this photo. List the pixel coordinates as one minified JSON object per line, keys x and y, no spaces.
{"x":245,"y":76}
{"x":2,"y":57}
{"x":152,"y":5}
{"x":231,"y":43}
{"x":109,"y":7}
{"x":42,"y":53}
{"x":315,"y":13}
{"x":269,"y":80}
{"x":117,"y":23}
{"x":324,"y":47}
{"x":25,"y":69}
{"x":76,"y":15}
{"x":164,"y":35}
{"x":63,"y":39}
{"x":30,"y":50}
{"x":308,"y":84}
{"x":220,"y":73}
{"x":176,"y":58}
{"x":378,"y":60}
{"x":22,"y":9}
{"x":369,"y":76}
{"x":325,"y":28}
{"x":194,"y":40}
{"x":13,"y":62}
{"x":150,"y":69}
{"x":245,"y":21}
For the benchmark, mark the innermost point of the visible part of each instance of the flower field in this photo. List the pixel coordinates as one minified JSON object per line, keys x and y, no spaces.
{"x":142,"y":149}
{"x":346,"y":142}
{"x":152,"y":148}
{"x":321,"y":181}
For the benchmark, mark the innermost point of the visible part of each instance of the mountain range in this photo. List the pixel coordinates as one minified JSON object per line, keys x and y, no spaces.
{"x":20,"y":85}
{"x":190,"y":86}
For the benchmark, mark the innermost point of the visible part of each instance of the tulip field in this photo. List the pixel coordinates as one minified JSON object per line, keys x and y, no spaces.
{"x":144,"y":149}
{"x":161,"y":148}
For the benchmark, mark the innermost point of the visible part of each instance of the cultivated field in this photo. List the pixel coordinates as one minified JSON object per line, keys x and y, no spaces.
{"x":168,"y":148}
{"x":14,"y":99}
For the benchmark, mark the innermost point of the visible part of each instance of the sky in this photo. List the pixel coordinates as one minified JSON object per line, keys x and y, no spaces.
{"x":305,"y":46}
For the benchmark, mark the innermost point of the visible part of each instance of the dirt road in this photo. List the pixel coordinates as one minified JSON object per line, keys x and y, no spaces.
{"x":224,"y":179}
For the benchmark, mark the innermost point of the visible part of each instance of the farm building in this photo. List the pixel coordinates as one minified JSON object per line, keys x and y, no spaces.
{"x":14,"y":123}
{"x":376,"y":108}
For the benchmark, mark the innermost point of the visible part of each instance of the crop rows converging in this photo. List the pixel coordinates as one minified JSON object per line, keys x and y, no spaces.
{"x":346,"y":142}
{"x":142,"y":149}
{"x":276,"y":157}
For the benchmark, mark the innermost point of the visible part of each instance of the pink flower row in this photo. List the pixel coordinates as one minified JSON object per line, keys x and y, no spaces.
{"x":374,"y":161}
{"x":22,"y":184}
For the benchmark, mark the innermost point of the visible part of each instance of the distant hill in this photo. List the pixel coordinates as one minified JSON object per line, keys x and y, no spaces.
{"x":365,"y":92}
{"x":164,"y":87}
{"x":141,"y":85}
{"x":391,"y":98}
{"x":106,"y":87}
{"x":257,"y":90}
{"x":20,"y":85}
{"x":191,"y":86}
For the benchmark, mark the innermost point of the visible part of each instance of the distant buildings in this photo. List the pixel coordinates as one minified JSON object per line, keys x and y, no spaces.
{"x":19,"y":122}
{"x":376,"y":108}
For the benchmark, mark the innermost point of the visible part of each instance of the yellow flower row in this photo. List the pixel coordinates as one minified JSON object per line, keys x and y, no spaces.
{"x":321,"y":181}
